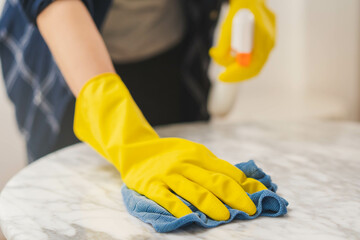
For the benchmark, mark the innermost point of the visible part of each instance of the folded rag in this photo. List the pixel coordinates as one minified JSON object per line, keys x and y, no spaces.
{"x":267,"y":202}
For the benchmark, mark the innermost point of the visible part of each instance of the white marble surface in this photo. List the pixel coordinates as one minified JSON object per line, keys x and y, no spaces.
{"x":75,"y":194}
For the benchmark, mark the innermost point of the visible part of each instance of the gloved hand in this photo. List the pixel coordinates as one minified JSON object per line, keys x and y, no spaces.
{"x":107,"y":118}
{"x":264,"y":39}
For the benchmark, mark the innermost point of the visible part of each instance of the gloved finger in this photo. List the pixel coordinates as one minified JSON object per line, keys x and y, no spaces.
{"x":221,"y":57}
{"x":235,"y":73}
{"x":252,"y":185}
{"x":270,"y":15}
{"x":221,"y":52}
{"x":223,"y":187}
{"x":265,"y":30}
{"x":221,"y":166}
{"x":200,"y":197}
{"x":226,"y":168}
{"x":162,"y":196}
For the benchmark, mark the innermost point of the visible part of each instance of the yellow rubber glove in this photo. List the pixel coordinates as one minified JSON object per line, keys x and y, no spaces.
{"x":264,"y":39}
{"x":107,"y":118}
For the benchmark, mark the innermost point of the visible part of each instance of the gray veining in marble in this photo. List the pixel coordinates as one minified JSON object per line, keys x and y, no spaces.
{"x":75,"y":194}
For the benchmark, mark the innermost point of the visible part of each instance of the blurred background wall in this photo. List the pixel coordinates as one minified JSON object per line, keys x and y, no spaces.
{"x":311,"y":74}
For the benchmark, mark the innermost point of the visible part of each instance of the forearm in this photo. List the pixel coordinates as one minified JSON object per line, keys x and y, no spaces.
{"x":75,"y":42}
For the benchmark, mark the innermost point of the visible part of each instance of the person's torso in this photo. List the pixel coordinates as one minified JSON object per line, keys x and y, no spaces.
{"x":138,"y":29}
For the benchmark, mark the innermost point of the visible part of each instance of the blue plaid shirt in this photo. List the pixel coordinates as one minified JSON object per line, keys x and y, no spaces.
{"x":36,"y":86}
{"x":32,"y":79}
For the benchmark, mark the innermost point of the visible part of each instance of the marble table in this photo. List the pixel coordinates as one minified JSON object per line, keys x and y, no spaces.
{"x":75,"y":194}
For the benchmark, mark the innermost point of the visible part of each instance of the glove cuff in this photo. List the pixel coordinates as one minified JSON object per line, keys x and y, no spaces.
{"x":107,"y":118}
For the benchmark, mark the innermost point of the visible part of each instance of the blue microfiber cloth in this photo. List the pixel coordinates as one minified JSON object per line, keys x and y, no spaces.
{"x":267,"y":202}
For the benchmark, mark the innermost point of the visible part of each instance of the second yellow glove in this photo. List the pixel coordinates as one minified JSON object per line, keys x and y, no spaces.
{"x":263,"y":42}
